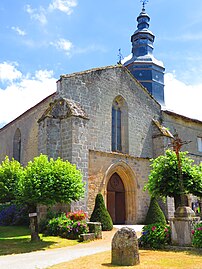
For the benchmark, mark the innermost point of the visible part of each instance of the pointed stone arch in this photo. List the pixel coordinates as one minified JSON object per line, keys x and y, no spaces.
{"x":128,"y":178}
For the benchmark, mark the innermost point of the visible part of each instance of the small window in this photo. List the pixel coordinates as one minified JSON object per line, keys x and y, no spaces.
{"x":17,"y":146}
{"x":116,"y":129}
{"x":199,"y":140}
{"x":119,"y":125}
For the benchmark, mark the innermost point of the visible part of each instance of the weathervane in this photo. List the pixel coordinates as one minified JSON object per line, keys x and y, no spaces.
{"x":144,"y":2}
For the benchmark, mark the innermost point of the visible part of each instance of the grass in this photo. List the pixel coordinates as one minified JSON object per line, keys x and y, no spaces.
{"x":16,"y":239}
{"x":148,"y":260}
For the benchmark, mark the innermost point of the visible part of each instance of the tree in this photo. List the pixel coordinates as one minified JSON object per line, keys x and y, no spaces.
{"x":10,"y":172}
{"x":100,"y":214}
{"x":155,"y":213}
{"x":47,"y":182}
{"x":164,"y":176}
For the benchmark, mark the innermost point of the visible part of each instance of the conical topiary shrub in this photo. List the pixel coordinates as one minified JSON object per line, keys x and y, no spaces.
{"x":100,"y":214}
{"x":155,"y":214}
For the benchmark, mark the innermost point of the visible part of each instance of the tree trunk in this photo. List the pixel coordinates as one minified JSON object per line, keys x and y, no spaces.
{"x":178,"y":202}
{"x":34,"y":224}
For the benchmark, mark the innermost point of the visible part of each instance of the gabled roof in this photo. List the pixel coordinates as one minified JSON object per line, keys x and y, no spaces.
{"x":171,"y":113}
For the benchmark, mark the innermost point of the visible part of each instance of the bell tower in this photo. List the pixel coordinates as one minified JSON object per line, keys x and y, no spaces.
{"x":143,"y":65}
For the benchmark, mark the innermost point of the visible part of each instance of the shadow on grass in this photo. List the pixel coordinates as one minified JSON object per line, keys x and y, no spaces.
{"x":188,"y":250}
{"x":17,"y":246}
{"x":17,"y":239}
{"x":108,"y":265}
{"x":177,"y":249}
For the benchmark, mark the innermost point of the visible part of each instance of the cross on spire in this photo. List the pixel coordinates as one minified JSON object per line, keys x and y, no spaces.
{"x":144,"y":2}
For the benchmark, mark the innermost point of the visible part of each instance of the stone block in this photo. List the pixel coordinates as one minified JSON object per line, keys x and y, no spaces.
{"x":182,"y":225}
{"x":96,"y":228}
{"x":125,"y":250}
{"x":86,"y":237}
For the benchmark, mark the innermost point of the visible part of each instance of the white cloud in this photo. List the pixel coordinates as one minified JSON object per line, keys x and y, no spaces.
{"x":9,"y":72}
{"x":19,"y":96}
{"x":64,"y":45}
{"x":37,"y":14}
{"x":18,"y":30}
{"x":65,"y":6}
{"x":183,"y":98}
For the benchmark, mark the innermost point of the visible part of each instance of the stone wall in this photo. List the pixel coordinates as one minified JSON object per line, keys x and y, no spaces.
{"x":134,"y":173}
{"x":187,"y":129}
{"x":95,"y":91}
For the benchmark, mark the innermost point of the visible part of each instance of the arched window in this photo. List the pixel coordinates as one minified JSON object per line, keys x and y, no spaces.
{"x":17,"y":145}
{"x":119,"y":125}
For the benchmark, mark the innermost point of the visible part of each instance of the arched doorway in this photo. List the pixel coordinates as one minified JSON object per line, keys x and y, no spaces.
{"x":116,"y":199}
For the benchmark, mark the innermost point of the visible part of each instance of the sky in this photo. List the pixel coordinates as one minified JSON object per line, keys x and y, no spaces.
{"x":41,"y":40}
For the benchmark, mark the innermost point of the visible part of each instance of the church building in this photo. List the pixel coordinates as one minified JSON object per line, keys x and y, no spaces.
{"x":108,"y":121}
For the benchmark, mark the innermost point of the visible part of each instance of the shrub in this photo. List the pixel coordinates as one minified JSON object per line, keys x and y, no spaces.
{"x":197,"y":236}
{"x":100,"y":214}
{"x":43,"y":224}
{"x":54,"y":224}
{"x":78,"y":215}
{"x":155,"y":236}
{"x":155,"y":214}
{"x":66,"y":227}
{"x":73,"y":229}
{"x":14,"y":215}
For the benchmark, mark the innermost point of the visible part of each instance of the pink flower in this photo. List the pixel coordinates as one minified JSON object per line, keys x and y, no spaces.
{"x":166,"y":230}
{"x":192,"y":231}
{"x":153,"y":228}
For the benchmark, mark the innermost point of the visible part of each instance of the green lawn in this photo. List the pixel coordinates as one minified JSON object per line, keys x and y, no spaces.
{"x":16,"y":239}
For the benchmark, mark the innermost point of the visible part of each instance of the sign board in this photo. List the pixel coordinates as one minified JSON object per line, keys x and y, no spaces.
{"x":32,"y":215}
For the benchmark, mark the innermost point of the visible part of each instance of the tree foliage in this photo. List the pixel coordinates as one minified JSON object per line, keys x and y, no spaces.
{"x":164,"y":176}
{"x":10,"y":173}
{"x":50,"y":181}
{"x":42,"y":181}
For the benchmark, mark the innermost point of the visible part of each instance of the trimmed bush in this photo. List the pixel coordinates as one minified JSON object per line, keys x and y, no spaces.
{"x":155,"y":214}
{"x":100,"y":214}
{"x":155,"y":236}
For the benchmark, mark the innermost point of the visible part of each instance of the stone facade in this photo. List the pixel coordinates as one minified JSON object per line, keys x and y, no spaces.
{"x":134,"y":174}
{"x":76,"y":124}
{"x":79,"y":137}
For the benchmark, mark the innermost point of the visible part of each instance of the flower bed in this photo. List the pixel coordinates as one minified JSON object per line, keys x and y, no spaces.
{"x":69,"y":225}
{"x":197,"y":236}
{"x":155,"y":236}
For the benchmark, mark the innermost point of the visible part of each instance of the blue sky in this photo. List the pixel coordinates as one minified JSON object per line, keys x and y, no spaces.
{"x":40,"y":40}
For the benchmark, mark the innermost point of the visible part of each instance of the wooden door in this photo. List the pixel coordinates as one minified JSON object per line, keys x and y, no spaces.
{"x":116,"y":199}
